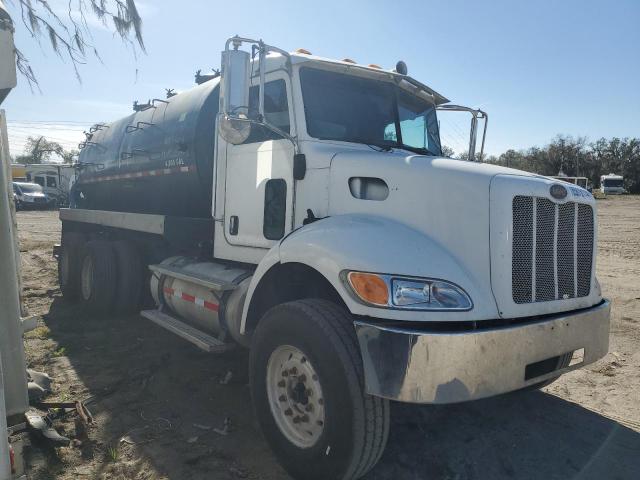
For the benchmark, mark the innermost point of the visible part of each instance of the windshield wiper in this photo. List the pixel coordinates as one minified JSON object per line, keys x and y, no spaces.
{"x":379,"y":147}
{"x":421,"y":151}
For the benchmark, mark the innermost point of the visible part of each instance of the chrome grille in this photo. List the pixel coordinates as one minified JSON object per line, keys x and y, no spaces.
{"x":552,"y":250}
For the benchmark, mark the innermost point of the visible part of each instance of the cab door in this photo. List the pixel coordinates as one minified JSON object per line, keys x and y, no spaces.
{"x":259,"y":174}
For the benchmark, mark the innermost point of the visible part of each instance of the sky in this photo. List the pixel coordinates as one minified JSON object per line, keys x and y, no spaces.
{"x":538,"y":68}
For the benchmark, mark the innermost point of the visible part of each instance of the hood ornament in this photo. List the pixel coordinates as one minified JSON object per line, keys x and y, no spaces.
{"x":558,"y":191}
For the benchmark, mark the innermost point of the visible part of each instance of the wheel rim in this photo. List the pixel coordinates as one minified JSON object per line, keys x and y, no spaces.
{"x":86,"y":277}
{"x":295,"y":396}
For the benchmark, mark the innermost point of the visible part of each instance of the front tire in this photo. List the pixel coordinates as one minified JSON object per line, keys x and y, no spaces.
{"x":303,"y":350}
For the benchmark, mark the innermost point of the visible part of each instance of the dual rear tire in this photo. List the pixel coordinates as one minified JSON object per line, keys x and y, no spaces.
{"x":105,"y":276}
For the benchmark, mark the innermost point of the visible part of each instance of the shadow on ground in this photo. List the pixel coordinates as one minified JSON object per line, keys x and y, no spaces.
{"x":158,"y":392}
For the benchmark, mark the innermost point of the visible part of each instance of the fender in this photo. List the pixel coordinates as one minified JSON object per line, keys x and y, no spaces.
{"x":377,"y":244}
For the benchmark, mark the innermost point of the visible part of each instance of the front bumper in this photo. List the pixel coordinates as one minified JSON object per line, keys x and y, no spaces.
{"x":448,"y":367}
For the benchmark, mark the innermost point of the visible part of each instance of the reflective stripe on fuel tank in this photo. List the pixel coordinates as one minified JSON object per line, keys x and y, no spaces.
{"x":201,"y":302}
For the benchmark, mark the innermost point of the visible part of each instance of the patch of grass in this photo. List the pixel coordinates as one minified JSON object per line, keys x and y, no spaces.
{"x":42,"y":333}
{"x":113,"y":454}
{"x":60,"y":352}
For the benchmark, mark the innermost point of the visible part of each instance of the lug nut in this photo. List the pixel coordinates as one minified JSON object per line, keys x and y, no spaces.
{"x":282,"y":384}
{"x":293,"y":371}
{"x":296,"y":419}
{"x":314,"y":377}
{"x":304,"y":418}
{"x":321,"y":401}
{"x":320,"y":423}
{"x":288,"y":412}
{"x":282,"y":398}
{"x":309,"y":392}
{"x":302,"y":378}
{"x":303,"y":360}
{"x":309,"y":407}
{"x":285,"y":373}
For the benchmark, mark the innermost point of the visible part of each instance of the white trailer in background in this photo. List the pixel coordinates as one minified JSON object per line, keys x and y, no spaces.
{"x":56,"y":180}
{"x":612,"y":184}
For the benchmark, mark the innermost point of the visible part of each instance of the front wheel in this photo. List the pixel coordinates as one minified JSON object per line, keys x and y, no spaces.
{"x":307,"y":385}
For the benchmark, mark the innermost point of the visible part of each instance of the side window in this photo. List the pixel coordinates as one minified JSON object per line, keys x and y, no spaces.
{"x":276,"y":110}
{"x":39,"y":181}
{"x":51,"y":182}
{"x":275,"y":208}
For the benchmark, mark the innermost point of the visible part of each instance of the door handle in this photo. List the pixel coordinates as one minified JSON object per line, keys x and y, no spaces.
{"x":233,"y":225}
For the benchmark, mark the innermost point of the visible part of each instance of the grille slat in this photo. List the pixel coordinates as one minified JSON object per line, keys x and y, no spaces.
{"x":585,"y":249}
{"x":545,"y":238}
{"x":522,"y":266}
{"x":552,"y":250}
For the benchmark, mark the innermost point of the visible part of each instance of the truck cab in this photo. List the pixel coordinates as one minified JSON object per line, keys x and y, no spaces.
{"x":302,"y":208}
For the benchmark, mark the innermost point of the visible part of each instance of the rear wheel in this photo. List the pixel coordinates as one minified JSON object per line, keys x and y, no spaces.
{"x":307,"y":385}
{"x":129,"y":279}
{"x":69,"y":262}
{"x":98,"y":276}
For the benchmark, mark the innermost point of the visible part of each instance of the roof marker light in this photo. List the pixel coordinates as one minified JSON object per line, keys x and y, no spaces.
{"x":303,"y":51}
{"x":373,"y":65}
{"x":348,"y":60}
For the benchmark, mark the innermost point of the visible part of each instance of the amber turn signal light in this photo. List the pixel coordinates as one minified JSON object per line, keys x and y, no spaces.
{"x":369,"y":287}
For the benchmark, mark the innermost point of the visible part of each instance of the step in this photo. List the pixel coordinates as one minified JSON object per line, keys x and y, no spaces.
{"x":200,"y":339}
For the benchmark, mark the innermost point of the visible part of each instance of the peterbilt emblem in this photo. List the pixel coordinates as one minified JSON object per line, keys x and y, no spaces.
{"x":558,"y":192}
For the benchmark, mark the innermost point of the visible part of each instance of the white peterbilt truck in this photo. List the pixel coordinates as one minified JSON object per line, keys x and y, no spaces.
{"x":301,"y":207}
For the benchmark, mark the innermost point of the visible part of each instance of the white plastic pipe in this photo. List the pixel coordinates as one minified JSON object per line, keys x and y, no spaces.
{"x":5,"y":464}
{"x":11,"y":344}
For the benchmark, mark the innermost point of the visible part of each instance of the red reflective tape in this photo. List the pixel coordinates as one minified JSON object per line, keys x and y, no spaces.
{"x":169,"y":290}
{"x":188,"y":298}
{"x":144,"y":173}
{"x":211,"y":306}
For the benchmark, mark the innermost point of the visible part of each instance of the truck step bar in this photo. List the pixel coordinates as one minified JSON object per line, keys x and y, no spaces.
{"x":202,"y":340}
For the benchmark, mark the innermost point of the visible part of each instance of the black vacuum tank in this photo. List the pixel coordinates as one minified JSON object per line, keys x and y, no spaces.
{"x":158,"y":160}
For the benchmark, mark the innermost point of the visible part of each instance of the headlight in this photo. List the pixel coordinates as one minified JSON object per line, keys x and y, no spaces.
{"x":389,"y":291}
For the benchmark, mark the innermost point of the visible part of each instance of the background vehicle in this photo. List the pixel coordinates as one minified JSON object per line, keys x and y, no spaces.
{"x":29,"y":195}
{"x":582,"y":182}
{"x":321,"y":227}
{"x":612,"y":183}
{"x":18,"y":172}
{"x":56,"y":180}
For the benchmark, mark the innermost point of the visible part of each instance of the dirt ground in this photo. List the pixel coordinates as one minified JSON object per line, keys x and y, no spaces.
{"x":160,"y":404}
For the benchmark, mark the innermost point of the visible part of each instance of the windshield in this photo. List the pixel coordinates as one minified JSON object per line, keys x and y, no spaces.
{"x":354,"y":109}
{"x":613,"y":182}
{"x":29,"y":188}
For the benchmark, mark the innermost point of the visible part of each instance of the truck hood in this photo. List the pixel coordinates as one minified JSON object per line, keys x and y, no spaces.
{"x":446,"y":200}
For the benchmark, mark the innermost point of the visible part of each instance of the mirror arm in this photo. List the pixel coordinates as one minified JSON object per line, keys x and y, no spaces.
{"x":273,"y":128}
{"x":476,"y":114}
{"x":262,"y":54}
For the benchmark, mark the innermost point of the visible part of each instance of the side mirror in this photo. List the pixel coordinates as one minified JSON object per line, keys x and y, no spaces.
{"x":235,"y":82}
{"x":234,"y":85}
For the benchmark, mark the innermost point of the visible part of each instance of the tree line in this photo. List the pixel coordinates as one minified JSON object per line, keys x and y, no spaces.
{"x":577,"y":157}
{"x":40,"y":150}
